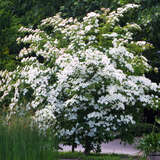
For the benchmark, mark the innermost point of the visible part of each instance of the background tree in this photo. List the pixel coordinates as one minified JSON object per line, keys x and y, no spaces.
{"x":9,"y":25}
{"x":15,"y":13}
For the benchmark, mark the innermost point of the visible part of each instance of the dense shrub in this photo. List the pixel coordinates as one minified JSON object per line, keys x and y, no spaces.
{"x":84,"y":79}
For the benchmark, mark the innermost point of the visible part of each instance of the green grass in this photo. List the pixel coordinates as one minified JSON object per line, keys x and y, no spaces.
{"x":19,"y":142}
{"x":81,"y":156}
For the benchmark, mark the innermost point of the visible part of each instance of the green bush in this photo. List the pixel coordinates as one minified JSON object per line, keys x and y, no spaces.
{"x":150,"y":143}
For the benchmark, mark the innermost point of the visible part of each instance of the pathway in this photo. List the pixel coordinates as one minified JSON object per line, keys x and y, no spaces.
{"x":111,"y":147}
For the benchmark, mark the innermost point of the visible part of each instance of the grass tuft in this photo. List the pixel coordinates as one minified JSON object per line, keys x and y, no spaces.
{"x":18,"y":141}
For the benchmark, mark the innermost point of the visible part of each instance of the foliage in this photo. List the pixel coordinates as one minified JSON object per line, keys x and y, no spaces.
{"x":83,"y":79}
{"x":18,"y":140}
{"x":149,"y":19}
{"x":13,"y":14}
{"x":150,"y":143}
{"x":80,"y":8}
{"x":31,"y":12}
{"x":9,"y":25}
{"x":141,"y":128}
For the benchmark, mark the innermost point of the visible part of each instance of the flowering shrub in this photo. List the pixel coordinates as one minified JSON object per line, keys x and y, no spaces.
{"x":83,"y":79}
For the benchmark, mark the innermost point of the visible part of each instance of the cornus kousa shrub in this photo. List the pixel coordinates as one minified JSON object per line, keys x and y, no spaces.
{"x":85,"y":80}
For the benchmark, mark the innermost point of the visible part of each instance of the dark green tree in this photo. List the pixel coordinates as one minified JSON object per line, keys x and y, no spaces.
{"x":13,"y":14}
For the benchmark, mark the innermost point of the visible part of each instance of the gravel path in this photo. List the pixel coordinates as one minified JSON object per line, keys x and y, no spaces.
{"x":111,"y":147}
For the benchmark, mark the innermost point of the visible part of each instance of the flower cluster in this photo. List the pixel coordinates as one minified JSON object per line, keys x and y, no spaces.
{"x":80,"y":78}
{"x":116,"y":15}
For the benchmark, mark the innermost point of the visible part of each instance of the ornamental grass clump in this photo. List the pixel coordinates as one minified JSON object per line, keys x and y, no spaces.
{"x":85,"y":80}
{"x":18,"y":140}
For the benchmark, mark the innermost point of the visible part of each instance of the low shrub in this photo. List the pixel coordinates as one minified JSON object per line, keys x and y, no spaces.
{"x":150,"y":143}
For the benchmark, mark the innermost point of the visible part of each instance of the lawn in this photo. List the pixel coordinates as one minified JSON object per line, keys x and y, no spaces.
{"x":93,"y":156}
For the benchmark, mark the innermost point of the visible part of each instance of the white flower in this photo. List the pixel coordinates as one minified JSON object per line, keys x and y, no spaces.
{"x":113,"y":35}
{"x":88,"y":28}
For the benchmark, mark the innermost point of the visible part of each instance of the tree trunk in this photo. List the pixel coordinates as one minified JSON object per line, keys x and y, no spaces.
{"x":73,"y":147}
{"x":87,"y":151}
{"x":73,"y":143}
{"x":88,"y":147}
